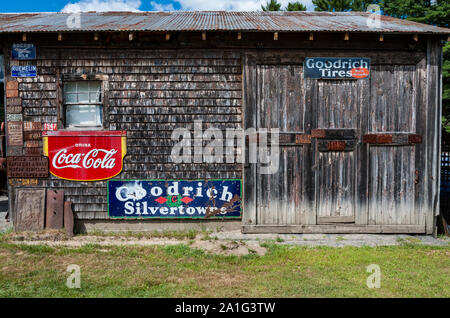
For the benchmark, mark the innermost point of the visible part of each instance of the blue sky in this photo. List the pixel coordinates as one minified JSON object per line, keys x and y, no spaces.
{"x":133,"y":5}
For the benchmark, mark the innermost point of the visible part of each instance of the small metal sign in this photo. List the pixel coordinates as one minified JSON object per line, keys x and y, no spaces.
{"x":27,"y":167}
{"x":32,"y":135}
{"x":50,"y":126}
{"x":32,"y":125}
{"x":14,"y":117}
{"x":174,"y":198}
{"x":23,"y":51}
{"x":336,"y":68}
{"x":24,"y":71}
{"x":14,"y":133}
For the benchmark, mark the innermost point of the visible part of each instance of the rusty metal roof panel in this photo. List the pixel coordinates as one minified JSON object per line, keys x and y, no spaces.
{"x":212,"y":21}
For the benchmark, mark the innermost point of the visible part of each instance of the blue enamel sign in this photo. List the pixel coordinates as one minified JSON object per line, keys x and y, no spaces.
{"x":24,"y":71}
{"x":23,"y":51}
{"x":336,"y":68}
{"x":174,"y":198}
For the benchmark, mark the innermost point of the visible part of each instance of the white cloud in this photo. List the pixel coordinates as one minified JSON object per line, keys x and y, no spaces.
{"x":186,"y":5}
{"x":161,"y":6}
{"x":102,"y":5}
{"x":235,"y":5}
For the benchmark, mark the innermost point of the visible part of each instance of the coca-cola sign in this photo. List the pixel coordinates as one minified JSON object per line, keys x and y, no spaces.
{"x":85,"y":155}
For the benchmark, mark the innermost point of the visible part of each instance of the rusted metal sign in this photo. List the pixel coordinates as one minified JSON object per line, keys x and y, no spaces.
{"x":68,"y":218}
{"x":397,"y":139}
{"x":32,"y":126}
{"x":55,"y":209}
{"x":336,"y":145}
{"x":292,"y":139}
{"x":27,"y":167}
{"x":15,"y":133}
{"x":29,"y":212}
{"x":20,"y":182}
{"x":32,"y":135}
{"x":174,"y":198}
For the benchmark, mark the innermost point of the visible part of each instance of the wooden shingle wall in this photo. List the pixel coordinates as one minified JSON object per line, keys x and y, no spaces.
{"x":148,"y":93}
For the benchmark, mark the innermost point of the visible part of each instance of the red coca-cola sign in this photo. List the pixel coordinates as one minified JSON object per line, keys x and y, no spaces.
{"x":85,"y":155}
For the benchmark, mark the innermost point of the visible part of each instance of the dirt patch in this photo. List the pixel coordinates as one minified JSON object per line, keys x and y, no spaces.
{"x":58,"y":238}
{"x":433,"y":252}
{"x":229,"y":247}
{"x":47,"y":236}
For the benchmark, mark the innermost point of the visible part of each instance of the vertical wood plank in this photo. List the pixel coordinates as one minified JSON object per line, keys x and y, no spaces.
{"x":434,"y":108}
{"x":250,"y":86}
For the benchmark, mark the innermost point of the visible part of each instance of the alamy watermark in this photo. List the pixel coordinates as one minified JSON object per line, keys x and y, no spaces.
{"x":211,"y":146}
{"x":74,"y":19}
{"x":74,"y":279}
{"x":374,"y":19}
{"x":374,"y":280}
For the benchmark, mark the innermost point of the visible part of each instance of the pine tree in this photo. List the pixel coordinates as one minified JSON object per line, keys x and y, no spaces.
{"x":430,"y":12}
{"x":342,"y":5}
{"x":295,"y":6}
{"x":332,"y":5}
{"x":446,"y":88}
{"x":271,"y":5}
{"x":437,"y":13}
{"x":405,"y":8}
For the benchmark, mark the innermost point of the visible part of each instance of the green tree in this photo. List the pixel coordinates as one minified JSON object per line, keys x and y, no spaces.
{"x":405,"y":8}
{"x":437,"y":13}
{"x":446,"y":89}
{"x":271,"y":5}
{"x":274,"y":5}
{"x":341,"y":5}
{"x":430,"y":12}
{"x":295,"y":6}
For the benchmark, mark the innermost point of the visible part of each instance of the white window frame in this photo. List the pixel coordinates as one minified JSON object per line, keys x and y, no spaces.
{"x":77,"y":103}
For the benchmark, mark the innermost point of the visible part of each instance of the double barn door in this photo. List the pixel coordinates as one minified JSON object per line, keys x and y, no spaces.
{"x":329,"y":164}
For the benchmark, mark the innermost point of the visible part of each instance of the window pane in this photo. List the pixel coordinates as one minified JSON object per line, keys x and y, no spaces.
{"x":87,"y":115}
{"x":83,"y":87}
{"x":70,"y":98}
{"x":95,"y":97}
{"x":70,"y":87}
{"x":95,"y":87}
{"x":83,"y":98}
{"x":79,"y":97}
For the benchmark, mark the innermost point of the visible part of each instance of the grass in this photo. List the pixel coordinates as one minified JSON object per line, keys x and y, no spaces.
{"x":410,"y":270}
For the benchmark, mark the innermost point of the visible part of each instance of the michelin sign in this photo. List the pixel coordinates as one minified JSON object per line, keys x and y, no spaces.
{"x":174,"y":199}
{"x":336,"y":68}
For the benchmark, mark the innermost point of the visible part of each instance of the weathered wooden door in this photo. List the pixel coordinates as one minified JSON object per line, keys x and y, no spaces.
{"x":396,"y":124}
{"x":337,"y":126}
{"x":278,"y":198}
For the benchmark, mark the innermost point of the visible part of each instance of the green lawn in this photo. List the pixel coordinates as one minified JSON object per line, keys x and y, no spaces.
{"x":410,"y":270}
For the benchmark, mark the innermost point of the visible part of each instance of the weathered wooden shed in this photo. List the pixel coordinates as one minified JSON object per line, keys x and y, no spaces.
{"x":356,"y":99}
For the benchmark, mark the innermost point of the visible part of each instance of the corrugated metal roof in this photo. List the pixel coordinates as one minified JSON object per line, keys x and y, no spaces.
{"x":211,"y":21}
